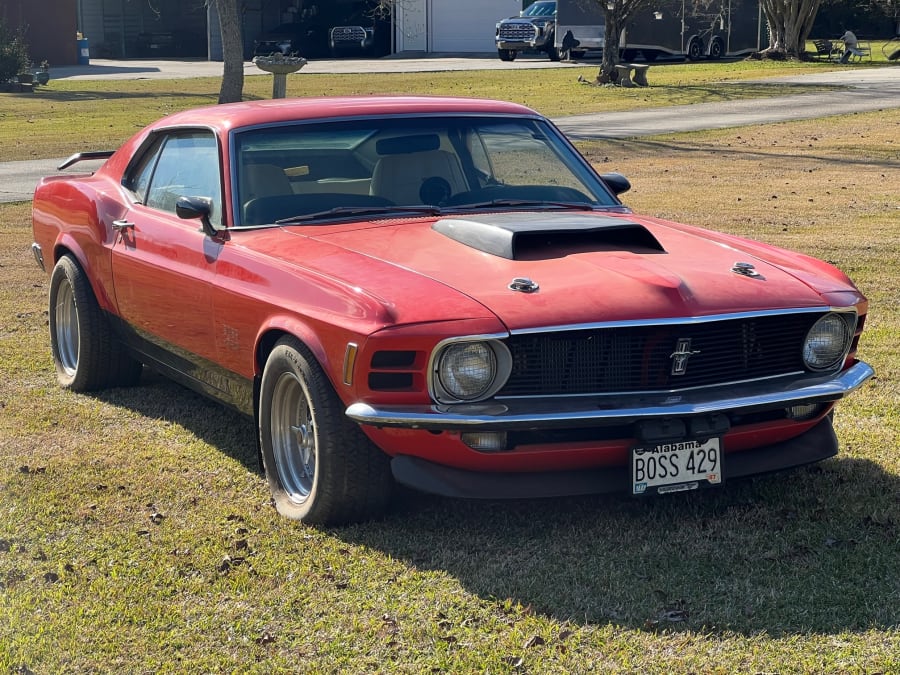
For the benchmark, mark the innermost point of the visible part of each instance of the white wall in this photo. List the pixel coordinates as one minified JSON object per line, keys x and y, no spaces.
{"x":467,"y":25}
{"x":463,"y":26}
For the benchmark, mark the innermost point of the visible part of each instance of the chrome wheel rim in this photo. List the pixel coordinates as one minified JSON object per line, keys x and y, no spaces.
{"x":66,"y":328}
{"x":293,"y":437}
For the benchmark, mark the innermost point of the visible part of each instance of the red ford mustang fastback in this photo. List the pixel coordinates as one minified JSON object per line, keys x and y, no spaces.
{"x":443,"y":293}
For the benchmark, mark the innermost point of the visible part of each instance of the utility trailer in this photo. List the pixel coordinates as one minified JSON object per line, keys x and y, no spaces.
{"x":692,"y":29}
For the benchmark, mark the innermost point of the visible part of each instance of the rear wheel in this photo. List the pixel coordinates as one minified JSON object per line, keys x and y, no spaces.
{"x":716,"y":49}
{"x":87,"y":354}
{"x":506,"y":54}
{"x":321,"y":469}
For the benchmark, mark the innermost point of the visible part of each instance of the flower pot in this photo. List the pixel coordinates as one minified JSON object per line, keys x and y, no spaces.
{"x":25,"y":78}
{"x":42,"y":77}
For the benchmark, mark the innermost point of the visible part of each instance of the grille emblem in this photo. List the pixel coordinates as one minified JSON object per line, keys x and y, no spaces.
{"x":681,"y":355}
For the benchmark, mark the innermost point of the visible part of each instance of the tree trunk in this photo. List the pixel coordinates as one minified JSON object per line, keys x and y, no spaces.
{"x":610,"y":50}
{"x":617,"y":14}
{"x":790,"y":22}
{"x":232,"y":89}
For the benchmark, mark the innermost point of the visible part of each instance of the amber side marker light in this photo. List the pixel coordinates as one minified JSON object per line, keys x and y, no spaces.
{"x":350,"y":362}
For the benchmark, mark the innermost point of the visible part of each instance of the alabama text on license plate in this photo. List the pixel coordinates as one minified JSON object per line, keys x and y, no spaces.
{"x":676,"y":466}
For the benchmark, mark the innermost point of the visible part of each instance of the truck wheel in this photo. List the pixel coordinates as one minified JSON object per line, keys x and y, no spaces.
{"x":321,"y":469}
{"x":716,"y":49}
{"x":695,"y":49}
{"x":87,"y":354}
{"x":552,"y":51}
{"x":506,"y":54}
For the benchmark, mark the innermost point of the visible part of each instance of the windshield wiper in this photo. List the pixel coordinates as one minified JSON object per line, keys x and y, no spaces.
{"x":345,"y":211}
{"x":521,"y":203}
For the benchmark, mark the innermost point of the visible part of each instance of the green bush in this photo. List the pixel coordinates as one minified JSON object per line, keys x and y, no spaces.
{"x":14,"y":57}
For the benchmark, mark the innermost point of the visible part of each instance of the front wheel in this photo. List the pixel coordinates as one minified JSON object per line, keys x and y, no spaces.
{"x":552,"y":49}
{"x":506,"y":54}
{"x":321,"y":469}
{"x":695,"y":49}
{"x":716,"y":49}
{"x":87,"y":354}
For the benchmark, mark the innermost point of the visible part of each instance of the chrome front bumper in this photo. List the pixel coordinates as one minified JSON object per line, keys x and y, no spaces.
{"x":566,"y":412}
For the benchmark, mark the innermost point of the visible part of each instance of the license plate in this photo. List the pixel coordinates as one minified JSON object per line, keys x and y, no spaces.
{"x":675,"y":467}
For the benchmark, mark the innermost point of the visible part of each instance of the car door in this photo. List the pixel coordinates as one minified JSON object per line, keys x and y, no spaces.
{"x":164,"y":266}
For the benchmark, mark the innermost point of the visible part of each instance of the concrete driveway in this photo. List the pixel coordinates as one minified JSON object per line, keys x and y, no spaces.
{"x":862,"y":90}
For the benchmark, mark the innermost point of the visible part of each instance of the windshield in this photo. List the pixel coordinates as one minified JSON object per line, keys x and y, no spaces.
{"x":318,"y":171}
{"x":540,"y":9}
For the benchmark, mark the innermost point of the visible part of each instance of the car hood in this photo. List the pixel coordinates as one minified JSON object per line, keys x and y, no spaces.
{"x":587,"y":267}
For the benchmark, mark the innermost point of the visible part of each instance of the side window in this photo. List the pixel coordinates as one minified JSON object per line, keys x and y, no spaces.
{"x":138,"y":179}
{"x":520,"y":157}
{"x":187,"y":165}
{"x":478,"y":153}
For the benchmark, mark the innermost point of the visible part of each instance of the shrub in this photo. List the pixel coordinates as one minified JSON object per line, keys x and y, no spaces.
{"x":14,"y":57}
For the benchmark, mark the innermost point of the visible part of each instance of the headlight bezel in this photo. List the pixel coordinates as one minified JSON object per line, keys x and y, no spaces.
{"x":847,"y":324}
{"x":443,"y":390}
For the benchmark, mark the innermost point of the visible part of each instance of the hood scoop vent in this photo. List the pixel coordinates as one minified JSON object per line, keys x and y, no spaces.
{"x":537,"y":236}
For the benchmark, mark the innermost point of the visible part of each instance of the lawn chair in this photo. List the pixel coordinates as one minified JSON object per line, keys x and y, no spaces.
{"x":825,"y":49}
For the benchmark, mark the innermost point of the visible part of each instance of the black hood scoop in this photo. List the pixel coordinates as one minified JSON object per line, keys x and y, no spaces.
{"x":533,"y":236}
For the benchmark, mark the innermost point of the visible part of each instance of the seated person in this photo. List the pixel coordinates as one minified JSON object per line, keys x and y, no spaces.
{"x":851,"y":46}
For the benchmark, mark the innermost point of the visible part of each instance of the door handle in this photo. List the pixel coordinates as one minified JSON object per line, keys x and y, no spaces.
{"x":120,"y":225}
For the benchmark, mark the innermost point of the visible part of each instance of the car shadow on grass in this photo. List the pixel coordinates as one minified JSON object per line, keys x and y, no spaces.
{"x":809,"y":550}
{"x":813,"y":549}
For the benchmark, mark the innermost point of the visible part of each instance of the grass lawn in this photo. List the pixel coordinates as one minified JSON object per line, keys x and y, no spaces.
{"x":73,"y":115}
{"x":136,"y":534}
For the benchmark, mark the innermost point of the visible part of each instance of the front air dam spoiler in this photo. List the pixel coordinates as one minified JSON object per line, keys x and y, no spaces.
{"x":815,"y":445}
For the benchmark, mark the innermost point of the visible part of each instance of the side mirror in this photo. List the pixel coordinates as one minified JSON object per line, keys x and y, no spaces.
{"x":616,"y":182}
{"x":193,"y":208}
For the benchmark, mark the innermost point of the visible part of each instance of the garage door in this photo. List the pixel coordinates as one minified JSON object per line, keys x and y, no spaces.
{"x":467,"y":25}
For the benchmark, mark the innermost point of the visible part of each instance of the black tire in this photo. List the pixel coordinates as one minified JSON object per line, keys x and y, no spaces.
{"x":716,"y":49}
{"x":695,"y":49}
{"x":87,"y":354}
{"x":321,"y":469}
{"x":506,"y":54}
{"x":552,"y":51}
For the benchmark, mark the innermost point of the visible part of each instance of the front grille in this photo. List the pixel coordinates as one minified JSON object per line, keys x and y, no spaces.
{"x":517,"y":32}
{"x":641,"y":358}
{"x":348,"y":34}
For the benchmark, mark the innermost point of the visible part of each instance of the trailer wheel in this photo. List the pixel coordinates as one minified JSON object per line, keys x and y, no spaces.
{"x":506,"y":54}
{"x":716,"y":49}
{"x":695,"y":49}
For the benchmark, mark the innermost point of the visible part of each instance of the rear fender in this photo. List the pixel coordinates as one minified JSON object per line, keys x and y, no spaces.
{"x":72,"y":218}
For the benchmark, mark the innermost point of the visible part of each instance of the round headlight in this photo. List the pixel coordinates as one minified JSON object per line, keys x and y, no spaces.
{"x":467,"y":370}
{"x":827,"y":343}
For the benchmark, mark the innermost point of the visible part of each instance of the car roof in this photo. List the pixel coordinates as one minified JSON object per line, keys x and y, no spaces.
{"x":272,"y":111}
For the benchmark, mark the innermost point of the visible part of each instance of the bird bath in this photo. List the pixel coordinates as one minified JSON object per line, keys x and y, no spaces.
{"x":280,"y":66}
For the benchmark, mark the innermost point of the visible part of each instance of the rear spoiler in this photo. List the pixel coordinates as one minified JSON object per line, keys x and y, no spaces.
{"x":81,"y":156}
